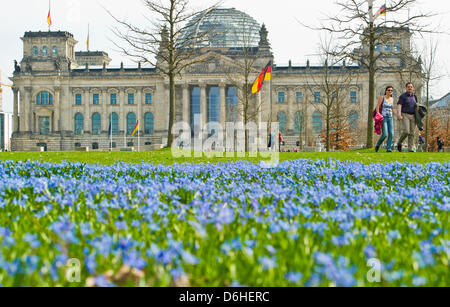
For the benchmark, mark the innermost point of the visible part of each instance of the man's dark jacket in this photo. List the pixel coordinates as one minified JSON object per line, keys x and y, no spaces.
{"x":419,"y":115}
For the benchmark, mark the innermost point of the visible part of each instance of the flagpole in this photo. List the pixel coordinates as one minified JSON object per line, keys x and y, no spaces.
{"x":49,"y":14}
{"x":87,"y":42}
{"x":139,"y":117}
{"x":110,"y":135}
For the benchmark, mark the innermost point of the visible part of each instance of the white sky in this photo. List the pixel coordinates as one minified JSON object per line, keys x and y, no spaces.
{"x":289,"y":40}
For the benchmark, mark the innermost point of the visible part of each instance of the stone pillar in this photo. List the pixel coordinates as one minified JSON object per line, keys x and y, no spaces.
{"x":29,"y":108}
{"x":16,"y":110}
{"x":140,"y":115}
{"x":203,"y":104}
{"x":223,"y":105}
{"x":22,"y":110}
{"x":290,"y":114}
{"x":186,"y":113}
{"x":57,"y":102}
{"x":67,"y":110}
{"x":87,"y":115}
{"x":105,"y":115}
{"x":122,"y":115}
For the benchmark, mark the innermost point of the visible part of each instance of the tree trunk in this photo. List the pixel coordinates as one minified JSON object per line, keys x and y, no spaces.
{"x":426,"y":120}
{"x":171,"y":108}
{"x":328,"y":130}
{"x":371,"y":86}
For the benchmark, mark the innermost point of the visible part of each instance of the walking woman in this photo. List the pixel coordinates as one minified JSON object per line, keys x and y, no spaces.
{"x":386,"y":103}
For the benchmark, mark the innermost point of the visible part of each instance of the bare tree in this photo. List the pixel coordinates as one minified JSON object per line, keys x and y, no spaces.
{"x":298,"y":117}
{"x":333,"y":80}
{"x":170,"y":43}
{"x":241,"y":76}
{"x":359,"y":35}
{"x":429,"y":74}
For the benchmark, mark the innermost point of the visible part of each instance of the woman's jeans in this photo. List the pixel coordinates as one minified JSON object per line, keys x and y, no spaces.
{"x":388,"y":132}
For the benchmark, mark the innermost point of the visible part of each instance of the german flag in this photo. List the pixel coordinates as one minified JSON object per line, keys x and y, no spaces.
{"x":135,"y":129}
{"x":381,"y":12}
{"x":266,"y":74}
{"x":49,"y":19}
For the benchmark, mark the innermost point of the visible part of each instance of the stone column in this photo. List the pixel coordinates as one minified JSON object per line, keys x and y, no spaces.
{"x":67,"y":109}
{"x":105,"y":115}
{"x":58,"y":107}
{"x":22,"y":109}
{"x":203,"y":104}
{"x":16,"y":110}
{"x":140,"y":115}
{"x":223,"y":105}
{"x":29,"y":108}
{"x":290,"y":114}
{"x":87,"y":115}
{"x":122,"y":115}
{"x":186,"y":113}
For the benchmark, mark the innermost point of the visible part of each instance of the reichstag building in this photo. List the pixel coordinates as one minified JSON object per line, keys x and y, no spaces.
{"x":64,"y":99}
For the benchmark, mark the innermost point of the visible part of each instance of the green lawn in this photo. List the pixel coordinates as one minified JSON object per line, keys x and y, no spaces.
{"x":165,"y":156}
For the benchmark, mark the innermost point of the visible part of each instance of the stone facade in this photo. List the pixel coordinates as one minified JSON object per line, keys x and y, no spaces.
{"x":77,"y":88}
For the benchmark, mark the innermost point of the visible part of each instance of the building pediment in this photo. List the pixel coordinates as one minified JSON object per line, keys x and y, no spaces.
{"x":213,"y":62}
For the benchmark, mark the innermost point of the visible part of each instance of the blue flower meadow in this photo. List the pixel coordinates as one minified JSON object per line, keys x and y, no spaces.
{"x":303,"y":223}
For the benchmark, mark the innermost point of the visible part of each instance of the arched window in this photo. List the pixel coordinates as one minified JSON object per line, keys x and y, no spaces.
{"x":282,"y":121}
{"x":114,"y":121}
{"x":131,"y":122}
{"x":149,"y":123}
{"x":353,"y":118}
{"x":35,"y":50}
{"x":45,"y":50}
{"x":96,"y":123}
{"x":79,"y":124}
{"x":317,"y":122}
{"x":55,"y":50}
{"x":44,"y":98}
{"x":299,"y":122}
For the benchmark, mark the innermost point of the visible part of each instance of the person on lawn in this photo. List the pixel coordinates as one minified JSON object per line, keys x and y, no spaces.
{"x":384,"y":106}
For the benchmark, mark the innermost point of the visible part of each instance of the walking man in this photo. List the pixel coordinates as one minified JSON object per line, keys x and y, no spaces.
{"x":407,"y":104}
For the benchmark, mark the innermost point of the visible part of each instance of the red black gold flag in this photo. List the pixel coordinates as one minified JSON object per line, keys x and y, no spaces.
{"x":266,"y":74}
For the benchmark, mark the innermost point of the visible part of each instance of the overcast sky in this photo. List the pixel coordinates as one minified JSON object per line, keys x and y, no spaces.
{"x":289,"y":40}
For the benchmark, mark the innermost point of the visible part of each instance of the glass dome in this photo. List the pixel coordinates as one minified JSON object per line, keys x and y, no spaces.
{"x":227,"y":28}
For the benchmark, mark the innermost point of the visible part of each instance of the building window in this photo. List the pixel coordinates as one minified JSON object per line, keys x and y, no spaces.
{"x":353,"y":119}
{"x":94,"y":146}
{"x":77,"y":145}
{"x":45,"y":50}
{"x":281,"y":97}
{"x":213,"y":105}
{"x":114,"y":98}
{"x":131,"y":98}
{"x":397,"y":47}
{"x":148,"y":98}
{"x":44,"y":125}
{"x":195,"y":107}
{"x":299,"y":97}
{"x":96,"y":123}
{"x":44,"y":98}
{"x":149,"y":123}
{"x":388,"y":47}
{"x":114,"y":123}
{"x":79,"y":124}
{"x":281,"y":117}
{"x":395,"y":94}
{"x":78,"y":100}
{"x":35,"y":51}
{"x":317,"y":122}
{"x":96,"y":99}
{"x":232,"y":104}
{"x":353,"y":97}
{"x":131,"y":122}
{"x":316,"y":96}
{"x":299,"y":122}
{"x":377,"y":47}
{"x":55,"y":50}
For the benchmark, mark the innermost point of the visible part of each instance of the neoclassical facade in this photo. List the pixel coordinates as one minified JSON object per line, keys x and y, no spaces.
{"x":65,"y":99}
